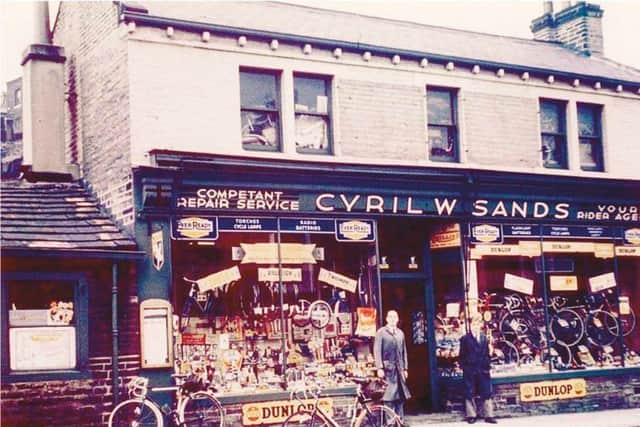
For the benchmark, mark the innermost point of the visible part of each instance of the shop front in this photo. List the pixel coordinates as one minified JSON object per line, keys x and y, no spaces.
{"x":276,"y":273}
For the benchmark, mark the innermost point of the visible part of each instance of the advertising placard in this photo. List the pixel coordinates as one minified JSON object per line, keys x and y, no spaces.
{"x":275,"y":412}
{"x":518,"y":284}
{"x":563,"y":283}
{"x":42,"y":348}
{"x":553,"y":390}
{"x":602,"y":282}
{"x":337,"y":280}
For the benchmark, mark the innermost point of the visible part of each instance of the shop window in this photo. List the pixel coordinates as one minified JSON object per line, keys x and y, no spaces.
{"x":46,"y":324}
{"x":312,"y":114}
{"x":628,"y":279}
{"x":442,"y":127}
{"x":260,"y":110}
{"x":506,"y":291}
{"x":554,"y":134}
{"x":590,"y":134}
{"x":271,"y":302}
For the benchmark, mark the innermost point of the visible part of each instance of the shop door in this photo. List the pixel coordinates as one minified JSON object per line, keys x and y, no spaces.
{"x":407,"y":297}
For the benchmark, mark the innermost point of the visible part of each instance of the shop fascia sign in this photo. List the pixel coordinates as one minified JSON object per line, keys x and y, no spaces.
{"x":210,"y":199}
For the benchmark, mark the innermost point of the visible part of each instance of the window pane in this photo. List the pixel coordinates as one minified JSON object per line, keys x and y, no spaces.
{"x":551,"y":118}
{"x":589,"y":154}
{"x":588,"y":119}
{"x":553,"y":153}
{"x":439,"y":107}
{"x":258,"y":90}
{"x":441,"y":143}
{"x":310,"y":95}
{"x":312,"y":133}
{"x":260,"y":130}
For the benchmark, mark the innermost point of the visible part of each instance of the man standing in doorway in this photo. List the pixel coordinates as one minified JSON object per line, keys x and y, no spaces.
{"x":475,"y":361}
{"x":390,"y":352}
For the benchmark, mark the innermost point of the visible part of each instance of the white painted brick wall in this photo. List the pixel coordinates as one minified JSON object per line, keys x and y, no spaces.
{"x":182,"y":94}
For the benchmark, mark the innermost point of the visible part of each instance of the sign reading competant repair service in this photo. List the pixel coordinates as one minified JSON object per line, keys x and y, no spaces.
{"x":553,"y":390}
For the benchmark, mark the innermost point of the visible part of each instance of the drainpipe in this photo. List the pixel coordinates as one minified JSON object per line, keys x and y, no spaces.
{"x":114,"y":332}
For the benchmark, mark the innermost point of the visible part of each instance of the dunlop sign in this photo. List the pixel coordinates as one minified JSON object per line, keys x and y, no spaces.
{"x":553,"y":390}
{"x":262,"y":413}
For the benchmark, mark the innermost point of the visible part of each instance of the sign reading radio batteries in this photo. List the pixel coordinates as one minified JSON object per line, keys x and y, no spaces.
{"x":194,"y":228}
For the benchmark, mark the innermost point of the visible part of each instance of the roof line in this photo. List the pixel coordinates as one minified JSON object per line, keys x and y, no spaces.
{"x":392,"y":20}
{"x":161,"y":22}
{"x":77,"y":253}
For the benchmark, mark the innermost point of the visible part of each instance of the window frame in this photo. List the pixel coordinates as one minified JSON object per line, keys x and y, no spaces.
{"x":328,"y":80}
{"x":594,"y":141}
{"x":452,"y":129}
{"x":564,"y":161}
{"x":277,"y":74}
{"x":81,"y":301}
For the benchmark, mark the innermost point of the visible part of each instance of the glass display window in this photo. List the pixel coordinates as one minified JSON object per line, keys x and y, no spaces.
{"x":583,"y":314}
{"x":507,"y":291}
{"x":628,"y":266}
{"x":43,"y":325}
{"x":269,"y":302}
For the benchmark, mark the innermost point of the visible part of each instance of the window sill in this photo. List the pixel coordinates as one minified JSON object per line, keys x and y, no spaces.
{"x":35,"y":376}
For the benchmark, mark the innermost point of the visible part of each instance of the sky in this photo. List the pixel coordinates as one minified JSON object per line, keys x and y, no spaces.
{"x":504,"y":17}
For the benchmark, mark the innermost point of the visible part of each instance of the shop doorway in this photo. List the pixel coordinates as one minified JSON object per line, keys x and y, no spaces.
{"x":407,"y":297}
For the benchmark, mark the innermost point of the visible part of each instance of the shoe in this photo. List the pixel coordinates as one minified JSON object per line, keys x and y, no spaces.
{"x":470,"y":420}
{"x":491,"y":420}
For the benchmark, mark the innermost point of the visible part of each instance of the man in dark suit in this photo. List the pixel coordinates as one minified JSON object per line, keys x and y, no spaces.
{"x":475,"y":360}
{"x":390,"y":352}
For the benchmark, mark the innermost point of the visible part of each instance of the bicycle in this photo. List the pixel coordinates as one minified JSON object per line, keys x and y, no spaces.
{"x":364,"y":414}
{"x":196,"y":406}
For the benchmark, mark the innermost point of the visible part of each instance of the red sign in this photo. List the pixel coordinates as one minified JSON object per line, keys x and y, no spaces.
{"x":193,"y":339}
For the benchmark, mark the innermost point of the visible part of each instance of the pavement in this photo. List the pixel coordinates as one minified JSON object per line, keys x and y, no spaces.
{"x":612,"y":418}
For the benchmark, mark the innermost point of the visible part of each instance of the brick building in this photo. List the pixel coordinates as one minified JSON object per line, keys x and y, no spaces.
{"x":269,"y":152}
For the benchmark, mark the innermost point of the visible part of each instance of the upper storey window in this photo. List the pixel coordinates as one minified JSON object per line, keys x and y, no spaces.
{"x":260,"y":110}
{"x":554,"y":134}
{"x":313,"y":124}
{"x":590,"y":134}
{"x":442,"y":127}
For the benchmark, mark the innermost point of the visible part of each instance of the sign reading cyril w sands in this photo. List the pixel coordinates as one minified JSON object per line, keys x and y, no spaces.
{"x":207,"y":199}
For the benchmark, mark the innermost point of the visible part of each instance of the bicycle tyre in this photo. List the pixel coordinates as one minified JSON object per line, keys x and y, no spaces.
{"x":567,"y":327}
{"x":377,"y":416}
{"x":201,"y":409}
{"x":602,"y":327}
{"x":304,"y":419}
{"x":135,"y":412}
{"x":301,"y":318}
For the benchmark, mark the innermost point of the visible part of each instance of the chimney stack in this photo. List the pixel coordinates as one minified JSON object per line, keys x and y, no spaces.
{"x":577,"y":27}
{"x":43,"y":104}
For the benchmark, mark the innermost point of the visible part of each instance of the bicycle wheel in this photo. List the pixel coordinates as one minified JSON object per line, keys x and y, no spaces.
{"x":567,"y":327}
{"x":134,"y":412}
{"x":201,"y":409}
{"x":602,"y":327}
{"x":305,"y":419}
{"x":377,"y":416}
